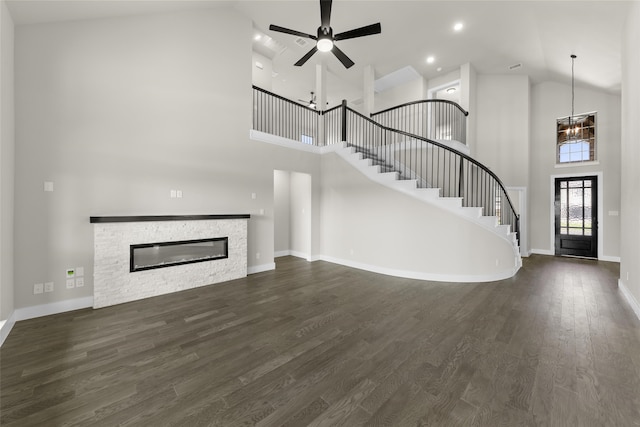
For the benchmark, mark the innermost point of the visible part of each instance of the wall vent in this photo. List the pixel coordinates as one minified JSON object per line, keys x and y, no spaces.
{"x":301,"y":42}
{"x":515,"y":66}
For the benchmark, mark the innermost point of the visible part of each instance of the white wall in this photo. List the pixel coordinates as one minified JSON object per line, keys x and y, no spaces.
{"x":550,"y":101}
{"x":261,"y":77}
{"x":468,"y":101}
{"x":502,"y":140}
{"x":630,"y":202}
{"x":281,"y":211}
{"x":300,"y":214}
{"x":117,"y":112}
{"x":407,"y":92}
{"x":7,"y":164}
{"x":367,"y":224}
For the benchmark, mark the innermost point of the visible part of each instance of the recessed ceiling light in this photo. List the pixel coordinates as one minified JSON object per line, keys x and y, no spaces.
{"x":451,"y":89}
{"x":458,"y":26}
{"x":430,"y":60}
{"x":439,"y":69}
{"x":257,"y":37}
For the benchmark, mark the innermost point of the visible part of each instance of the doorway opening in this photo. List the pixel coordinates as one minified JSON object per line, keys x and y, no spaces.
{"x":292,"y":214}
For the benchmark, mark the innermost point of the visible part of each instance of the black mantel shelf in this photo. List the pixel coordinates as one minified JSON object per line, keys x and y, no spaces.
{"x":143,"y":218}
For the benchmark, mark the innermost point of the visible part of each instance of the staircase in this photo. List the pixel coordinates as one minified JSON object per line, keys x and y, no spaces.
{"x":400,"y":154}
{"x":376,"y":169}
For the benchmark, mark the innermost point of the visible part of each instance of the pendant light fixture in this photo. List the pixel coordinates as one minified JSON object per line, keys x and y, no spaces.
{"x":572,"y":132}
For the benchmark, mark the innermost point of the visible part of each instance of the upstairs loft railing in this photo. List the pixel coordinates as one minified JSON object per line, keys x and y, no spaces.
{"x":431,"y":163}
{"x":435,"y":119}
{"x":280,"y":116}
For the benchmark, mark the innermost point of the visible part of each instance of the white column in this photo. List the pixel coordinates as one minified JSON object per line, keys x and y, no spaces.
{"x":369,"y":90}
{"x":321,"y":98}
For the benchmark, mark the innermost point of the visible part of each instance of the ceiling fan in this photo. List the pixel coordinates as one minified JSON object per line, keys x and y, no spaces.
{"x":325,"y":40}
{"x":312,"y":102}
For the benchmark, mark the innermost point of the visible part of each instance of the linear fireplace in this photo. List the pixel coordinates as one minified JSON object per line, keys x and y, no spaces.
{"x":148,"y":256}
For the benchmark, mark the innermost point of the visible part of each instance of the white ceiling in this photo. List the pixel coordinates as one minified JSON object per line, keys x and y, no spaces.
{"x":539,"y":34}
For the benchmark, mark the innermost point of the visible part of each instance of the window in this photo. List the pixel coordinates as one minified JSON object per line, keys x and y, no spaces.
{"x":576,"y":139}
{"x":306,"y":139}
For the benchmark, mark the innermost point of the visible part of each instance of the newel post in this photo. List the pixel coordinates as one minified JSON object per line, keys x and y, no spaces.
{"x":343,"y":116}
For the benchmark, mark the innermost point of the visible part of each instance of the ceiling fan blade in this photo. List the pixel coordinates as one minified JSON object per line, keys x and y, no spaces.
{"x":359,"y":32}
{"x":348,"y":63}
{"x":325,"y":13}
{"x":306,"y":57}
{"x":292,"y":32}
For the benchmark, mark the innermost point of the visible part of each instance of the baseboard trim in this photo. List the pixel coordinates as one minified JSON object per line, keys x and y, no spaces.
{"x":419,"y":275}
{"x":552,"y":253}
{"x":289,"y":252}
{"x":542,"y":252}
{"x":6,"y":326}
{"x":260,"y":268}
{"x":635,"y":306}
{"x":300,"y":255}
{"x":53,"y":308}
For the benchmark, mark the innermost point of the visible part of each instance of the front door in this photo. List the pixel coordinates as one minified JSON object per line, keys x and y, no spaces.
{"x":576,"y":216}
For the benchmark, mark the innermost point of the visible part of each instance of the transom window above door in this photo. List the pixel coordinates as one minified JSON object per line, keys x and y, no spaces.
{"x":576,"y":139}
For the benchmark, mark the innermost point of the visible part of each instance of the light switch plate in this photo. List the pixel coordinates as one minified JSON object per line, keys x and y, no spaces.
{"x":48,"y":287}
{"x":79,"y":271}
{"x":48,"y":186}
{"x":71,"y":283}
{"x":79,"y":282}
{"x":38,"y":288}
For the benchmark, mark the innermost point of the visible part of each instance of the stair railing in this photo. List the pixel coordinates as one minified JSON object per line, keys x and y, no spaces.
{"x":431,"y":163}
{"x":435,"y":119}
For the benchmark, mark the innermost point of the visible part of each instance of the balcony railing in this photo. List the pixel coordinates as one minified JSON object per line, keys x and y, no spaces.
{"x":435,"y":119}
{"x":280,"y":116}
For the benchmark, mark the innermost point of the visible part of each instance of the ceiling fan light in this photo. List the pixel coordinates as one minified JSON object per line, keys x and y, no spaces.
{"x":324,"y":45}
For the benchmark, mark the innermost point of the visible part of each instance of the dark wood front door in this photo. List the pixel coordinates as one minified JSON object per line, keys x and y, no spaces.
{"x":576,"y":205}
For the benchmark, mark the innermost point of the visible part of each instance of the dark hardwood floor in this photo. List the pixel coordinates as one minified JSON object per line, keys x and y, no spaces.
{"x":324,"y":345}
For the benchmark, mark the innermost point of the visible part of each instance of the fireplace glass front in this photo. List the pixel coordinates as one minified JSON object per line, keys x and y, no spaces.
{"x":148,"y":256}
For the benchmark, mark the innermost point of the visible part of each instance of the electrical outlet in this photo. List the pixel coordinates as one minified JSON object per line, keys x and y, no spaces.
{"x":79,"y":282}
{"x":257,"y":255}
{"x":48,"y":287}
{"x":79,"y":271}
{"x":179,"y":194}
{"x":172,"y":194}
{"x":71,"y":283}
{"x":38,"y":288}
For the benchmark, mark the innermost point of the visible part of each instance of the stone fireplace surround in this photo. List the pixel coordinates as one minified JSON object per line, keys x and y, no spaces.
{"x":113,"y":235}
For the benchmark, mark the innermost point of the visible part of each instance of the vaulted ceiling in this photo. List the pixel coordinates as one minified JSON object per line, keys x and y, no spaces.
{"x":540,"y":35}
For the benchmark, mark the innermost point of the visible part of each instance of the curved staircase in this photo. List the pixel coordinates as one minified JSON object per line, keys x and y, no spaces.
{"x":403,"y":157}
{"x":377,"y":170}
